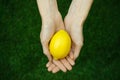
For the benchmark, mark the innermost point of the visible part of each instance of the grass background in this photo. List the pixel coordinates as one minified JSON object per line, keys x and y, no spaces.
{"x":21,"y":55}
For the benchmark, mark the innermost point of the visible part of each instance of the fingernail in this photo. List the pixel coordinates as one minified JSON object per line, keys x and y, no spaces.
{"x":53,"y":71}
{"x":73,"y":63}
{"x":49,"y":69}
{"x":70,"y":68}
{"x":47,"y":64}
{"x":64,"y":70}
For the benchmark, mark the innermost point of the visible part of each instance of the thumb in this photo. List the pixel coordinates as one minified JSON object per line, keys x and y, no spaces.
{"x":77,"y":51}
{"x":46,"y":51}
{"x":45,"y":35}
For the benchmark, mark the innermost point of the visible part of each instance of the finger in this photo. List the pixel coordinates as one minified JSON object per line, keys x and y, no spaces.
{"x":51,"y":67}
{"x":60,"y":65}
{"x":56,"y":69}
{"x":66,"y":64}
{"x":71,"y":55}
{"x":73,"y":47}
{"x":77,"y":51}
{"x":46,"y":51}
{"x":48,"y":64}
{"x":70,"y":60}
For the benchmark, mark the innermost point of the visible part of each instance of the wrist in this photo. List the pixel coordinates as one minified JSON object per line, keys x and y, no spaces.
{"x":74,"y":7}
{"x":47,"y":8}
{"x":79,"y":9}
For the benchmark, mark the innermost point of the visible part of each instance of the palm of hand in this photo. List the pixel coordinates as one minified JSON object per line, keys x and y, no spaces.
{"x":75,"y":31}
{"x":74,"y":28}
{"x":49,"y":27}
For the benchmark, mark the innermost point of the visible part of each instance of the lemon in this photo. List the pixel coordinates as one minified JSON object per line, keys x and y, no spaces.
{"x":60,"y":44}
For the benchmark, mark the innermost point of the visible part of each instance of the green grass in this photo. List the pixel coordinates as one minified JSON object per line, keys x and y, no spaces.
{"x":21,"y":55}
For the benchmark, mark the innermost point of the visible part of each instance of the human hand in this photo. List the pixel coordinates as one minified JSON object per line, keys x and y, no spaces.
{"x":74,"y":24}
{"x":75,"y":17}
{"x":62,"y":64}
{"x":75,"y":29}
{"x":74,"y":21}
{"x":51,"y":23}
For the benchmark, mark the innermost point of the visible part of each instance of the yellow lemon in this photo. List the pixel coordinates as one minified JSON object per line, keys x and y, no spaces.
{"x":60,"y":44}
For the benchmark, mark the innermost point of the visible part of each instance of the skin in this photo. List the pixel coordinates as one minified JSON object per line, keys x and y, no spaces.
{"x":73,"y":24}
{"x":51,"y":23}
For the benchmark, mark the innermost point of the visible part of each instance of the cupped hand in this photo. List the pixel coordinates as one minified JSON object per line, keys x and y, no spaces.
{"x":61,"y":64}
{"x":75,"y":29}
{"x":49,"y":27}
{"x":51,"y":23}
{"x":74,"y":21}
